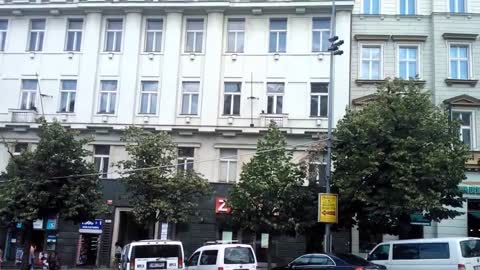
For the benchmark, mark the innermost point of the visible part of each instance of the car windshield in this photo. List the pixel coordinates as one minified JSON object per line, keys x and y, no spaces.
{"x":352,"y":259}
{"x":238,"y":255}
{"x":470,"y":248}
{"x":156,"y":251}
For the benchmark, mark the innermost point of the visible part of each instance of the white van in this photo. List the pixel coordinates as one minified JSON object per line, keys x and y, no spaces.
{"x":152,"y":254}
{"x":459,"y":253}
{"x":222,"y":257}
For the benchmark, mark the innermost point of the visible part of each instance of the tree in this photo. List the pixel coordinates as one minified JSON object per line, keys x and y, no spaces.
{"x":48,"y":182}
{"x":157,"y":190}
{"x":269,"y":197}
{"x":397,"y":156}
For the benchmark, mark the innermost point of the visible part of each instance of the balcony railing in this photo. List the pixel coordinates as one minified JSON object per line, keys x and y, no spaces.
{"x":23,"y":116}
{"x":279,"y":119}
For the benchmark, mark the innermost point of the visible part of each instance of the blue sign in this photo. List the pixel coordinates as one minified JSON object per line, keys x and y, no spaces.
{"x":91,"y":226}
{"x":52,"y":224}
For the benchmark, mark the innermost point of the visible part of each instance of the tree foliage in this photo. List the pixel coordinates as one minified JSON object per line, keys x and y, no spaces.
{"x":397,"y":156}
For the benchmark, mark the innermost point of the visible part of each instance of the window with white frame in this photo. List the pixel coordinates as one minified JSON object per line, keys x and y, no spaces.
{"x":275,"y":93}
{"x":185,"y":158}
{"x":108,"y":96}
{"x":190,"y":91}
{"x":194,"y":39}
{"x":36,"y":35}
{"x":153,"y":35}
{"x":371,"y":7}
{"x":113,"y":35}
{"x":101,"y":157}
{"x":319,"y":99}
{"x":19,"y":148}
{"x":74,"y":34}
{"x":228,"y":165}
{"x":457,"y":6}
{"x":278,"y":35}
{"x":320,"y":34}
{"x":407,"y":7}
{"x":465,"y":119}
{"x":149,"y":94}
{"x":371,"y":58}
{"x":407,"y":62}
{"x":236,"y":35}
{"x":29,"y":94}
{"x":3,"y":33}
{"x":459,"y":61}
{"x":231,"y":98}
{"x":67,"y":95}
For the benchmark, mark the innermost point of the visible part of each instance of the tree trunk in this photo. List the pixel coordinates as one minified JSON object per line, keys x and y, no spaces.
{"x":269,"y":253}
{"x":174,"y":231}
{"x":27,"y":238}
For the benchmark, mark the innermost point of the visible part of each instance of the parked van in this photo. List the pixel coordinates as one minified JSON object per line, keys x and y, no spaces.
{"x":221,"y":256}
{"x":152,"y":254}
{"x":460,"y":253}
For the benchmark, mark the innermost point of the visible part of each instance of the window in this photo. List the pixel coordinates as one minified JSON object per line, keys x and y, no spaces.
{"x":19,"y":148}
{"x":37,"y":33}
{"x":236,"y":35}
{"x":209,"y":257}
{"x":457,"y":6}
{"x":67,"y":95}
{"x":153,"y":36}
{"x":29,"y":95}
{"x":231,"y":98}
{"x":190,"y":98}
{"x":303,"y":260}
{"x":371,"y":62}
{"x":3,"y":33}
{"x":148,"y":103}
{"x":459,"y":62}
{"x":194,"y":35}
{"x":101,"y":157}
{"x":238,"y":255}
{"x":371,"y":7}
{"x":74,"y":34}
{"x":424,"y":251}
{"x":156,"y":251}
{"x":319,"y":99}
{"x":320,"y":34}
{"x":381,"y":253}
{"x":470,"y":248}
{"x":275,"y":97}
{"x":320,"y":260}
{"x":185,"y":158}
{"x":193,"y":261}
{"x":465,"y":119}
{"x":278,"y":35}
{"x":316,"y":169}
{"x":113,"y":35}
{"x":108,"y":96}
{"x":408,"y":62}
{"x":228,"y":165}
{"x":407,"y":7}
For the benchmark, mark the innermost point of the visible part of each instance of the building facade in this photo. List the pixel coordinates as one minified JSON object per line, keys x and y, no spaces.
{"x":211,"y":73}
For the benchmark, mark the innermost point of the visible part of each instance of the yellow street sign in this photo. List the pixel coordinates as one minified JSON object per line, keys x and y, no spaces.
{"x":327,"y":208}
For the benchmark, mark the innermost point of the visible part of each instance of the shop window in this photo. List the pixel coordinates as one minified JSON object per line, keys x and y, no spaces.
{"x":473,"y":211}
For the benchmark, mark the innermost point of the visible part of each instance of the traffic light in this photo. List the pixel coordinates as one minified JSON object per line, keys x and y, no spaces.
{"x":335,"y":44}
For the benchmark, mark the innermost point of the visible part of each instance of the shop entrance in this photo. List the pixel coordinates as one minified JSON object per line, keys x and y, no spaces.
{"x":473,"y":211}
{"x":88,"y":249}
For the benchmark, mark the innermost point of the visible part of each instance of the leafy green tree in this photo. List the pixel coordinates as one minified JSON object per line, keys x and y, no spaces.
{"x":40,"y":183}
{"x":156,"y":189}
{"x":397,"y":156}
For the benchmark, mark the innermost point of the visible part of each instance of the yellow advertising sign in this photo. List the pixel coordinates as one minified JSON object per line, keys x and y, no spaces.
{"x":327,"y":208}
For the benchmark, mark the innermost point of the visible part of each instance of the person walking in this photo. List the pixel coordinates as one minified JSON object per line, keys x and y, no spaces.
{"x":118,"y":255}
{"x":53,"y":262}
{"x":31,"y":257}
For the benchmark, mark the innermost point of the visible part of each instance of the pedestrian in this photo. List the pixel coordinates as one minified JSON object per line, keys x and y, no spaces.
{"x":53,"y":262}
{"x":118,"y":255}
{"x":31,"y":257}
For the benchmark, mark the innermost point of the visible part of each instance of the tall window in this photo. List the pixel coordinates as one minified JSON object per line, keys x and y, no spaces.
{"x":29,"y":94}
{"x":194,"y":35}
{"x":37,"y":33}
{"x":236,"y":35}
{"x":371,"y":62}
{"x":67,"y":95}
{"x":228,"y":165}
{"x":108,"y":96}
{"x":185,"y":158}
{"x":459,"y":62}
{"x":19,"y":148}
{"x":148,"y":104}
{"x":3,"y":33}
{"x":319,"y":99}
{"x":190,"y":92}
{"x":407,"y":7}
{"x":408,"y":62}
{"x":278,"y":35}
{"x":275,"y":97}
{"x":113,"y":35}
{"x":74,"y":34}
{"x":316,"y":169}
{"x":465,"y":119}
{"x":231,"y":98}
{"x":153,"y":40}
{"x":101,"y":157}
{"x":320,"y":34}
{"x":371,"y":7}
{"x":457,"y":6}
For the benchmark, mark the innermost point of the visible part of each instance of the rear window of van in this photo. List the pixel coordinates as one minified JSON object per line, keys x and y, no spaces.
{"x":238,"y":255}
{"x":423,"y":251}
{"x":470,"y":248}
{"x":156,"y":251}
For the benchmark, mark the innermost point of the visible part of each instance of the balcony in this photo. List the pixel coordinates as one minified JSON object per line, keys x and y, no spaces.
{"x":279,"y":119}
{"x":22,"y":116}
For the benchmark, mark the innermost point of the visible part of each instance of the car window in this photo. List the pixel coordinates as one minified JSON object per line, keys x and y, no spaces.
{"x":380,"y":253}
{"x":406,"y":252}
{"x":434,"y":251}
{"x":156,"y":251}
{"x":209,"y":257}
{"x":470,"y":248}
{"x":352,"y":259}
{"x":193,"y":261}
{"x":303,"y":260}
{"x":238,"y":255}
{"x":320,"y":260}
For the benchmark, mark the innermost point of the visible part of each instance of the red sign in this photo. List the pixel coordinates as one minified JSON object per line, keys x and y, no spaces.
{"x":221,"y":206}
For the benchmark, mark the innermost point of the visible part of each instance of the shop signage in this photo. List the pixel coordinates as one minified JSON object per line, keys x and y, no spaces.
{"x":221,"y":206}
{"x":327,"y":208}
{"x":51,"y":238}
{"x":91,"y":226}
{"x":419,"y":219}
{"x":164,"y":231}
{"x":469,"y":189}
{"x":51,"y":224}
{"x":38,"y":224}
